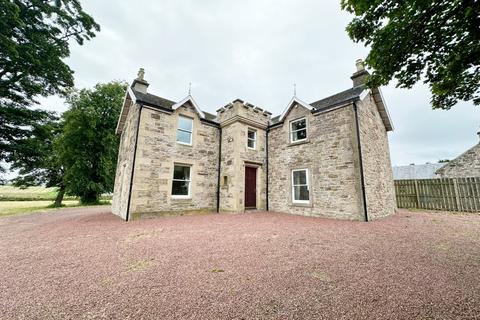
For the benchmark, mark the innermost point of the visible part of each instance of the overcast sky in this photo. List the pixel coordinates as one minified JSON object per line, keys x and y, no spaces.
{"x":255,"y":50}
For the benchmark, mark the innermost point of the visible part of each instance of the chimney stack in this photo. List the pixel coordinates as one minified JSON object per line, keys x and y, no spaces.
{"x":140,"y":84}
{"x":360,"y":75}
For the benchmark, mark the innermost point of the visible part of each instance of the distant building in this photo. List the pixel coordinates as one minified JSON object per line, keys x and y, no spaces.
{"x":417,"y":171}
{"x":465,"y":165}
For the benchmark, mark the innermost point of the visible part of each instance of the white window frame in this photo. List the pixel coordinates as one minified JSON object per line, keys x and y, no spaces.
{"x":183,"y":130}
{"x":298,"y":185}
{"x":179,"y":196}
{"x":293,"y":131}
{"x":254,"y":139}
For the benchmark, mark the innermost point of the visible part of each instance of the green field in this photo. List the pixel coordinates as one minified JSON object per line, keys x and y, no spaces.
{"x":20,"y":207}
{"x":10,"y":193}
{"x":20,"y":201}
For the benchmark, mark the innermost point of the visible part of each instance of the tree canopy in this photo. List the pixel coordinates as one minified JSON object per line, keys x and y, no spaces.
{"x":35,"y":36}
{"x":88,"y":145}
{"x":35,"y":159}
{"x":434,"y":41}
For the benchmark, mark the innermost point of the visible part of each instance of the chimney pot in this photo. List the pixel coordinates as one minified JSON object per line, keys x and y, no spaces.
{"x":141,"y":74}
{"x":140,"y":84}
{"x":359,"y":77}
{"x":360,"y":65}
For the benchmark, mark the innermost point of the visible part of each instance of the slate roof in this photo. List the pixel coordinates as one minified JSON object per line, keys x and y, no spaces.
{"x":327,"y":103}
{"x":162,"y":103}
{"x":153,"y":100}
{"x":332,"y":101}
{"x":210,"y":116}
{"x":274,"y":119}
{"x":339,"y":98}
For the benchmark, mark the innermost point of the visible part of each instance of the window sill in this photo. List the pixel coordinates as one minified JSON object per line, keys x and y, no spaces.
{"x":176,"y":198}
{"x":184,"y":144}
{"x":301,"y":204}
{"x":296,"y":143}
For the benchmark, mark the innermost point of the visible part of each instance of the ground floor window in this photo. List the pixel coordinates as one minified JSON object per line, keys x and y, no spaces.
{"x":300,"y":186}
{"x":181,"y":181}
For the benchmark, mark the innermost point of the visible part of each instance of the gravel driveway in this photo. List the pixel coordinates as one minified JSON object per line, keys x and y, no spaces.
{"x":88,"y":264}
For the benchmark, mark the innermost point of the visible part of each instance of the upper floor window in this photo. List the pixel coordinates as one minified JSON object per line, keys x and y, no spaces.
{"x":298,"y":130}
{"x":252,"y":139}
{"x":300,"y":186}
{"x":181,"y":181}
{"x":184,"y":131}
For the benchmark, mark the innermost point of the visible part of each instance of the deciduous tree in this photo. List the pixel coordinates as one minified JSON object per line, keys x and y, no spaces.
{"x":434,"y":41}
{"x":88,"y":146}
{"x":35,"y":38}
{"x":35,"y":159}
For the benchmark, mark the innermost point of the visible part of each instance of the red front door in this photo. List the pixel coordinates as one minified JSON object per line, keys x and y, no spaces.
{"x":250,"y":188}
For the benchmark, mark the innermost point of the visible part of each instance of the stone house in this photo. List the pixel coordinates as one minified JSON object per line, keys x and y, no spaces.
{"x":464,"y":166}
{"x":327,"y":158}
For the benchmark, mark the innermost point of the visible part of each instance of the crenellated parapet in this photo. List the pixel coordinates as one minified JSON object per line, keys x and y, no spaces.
{"x":239,"y":110}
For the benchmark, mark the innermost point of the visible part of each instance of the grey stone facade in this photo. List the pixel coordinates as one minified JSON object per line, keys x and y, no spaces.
{"x":464,"y":166}
{"x":125,"y":163}
{"x":378,"y":175}
{"x":329,"y":154}
{"x":318,"y":174}
{"x":235,"y":120}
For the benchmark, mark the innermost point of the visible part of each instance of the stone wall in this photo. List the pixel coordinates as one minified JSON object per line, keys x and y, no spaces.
{"x":157,"y":153}
{"x":235,"y":120}
{"x":464,"y":166}
{"x":124,"y":163}
{"x":379,"y":188}
{"x":330,"y":154}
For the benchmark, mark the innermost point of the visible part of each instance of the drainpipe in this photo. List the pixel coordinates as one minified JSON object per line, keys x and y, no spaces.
{"x":266,"y":167}
{"x":219,"y":167}
{"x":133,"y":163}
{"x":360,"y":161}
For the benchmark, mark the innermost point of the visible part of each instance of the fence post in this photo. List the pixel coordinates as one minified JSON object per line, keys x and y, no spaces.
{"x":417,"y":195}
{"x":457,"y":198}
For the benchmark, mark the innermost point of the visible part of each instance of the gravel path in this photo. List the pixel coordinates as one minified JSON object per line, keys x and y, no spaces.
{"x":88,"y":264}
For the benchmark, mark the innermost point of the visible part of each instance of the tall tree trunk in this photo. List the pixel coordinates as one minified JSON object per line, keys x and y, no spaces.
{"x":90,"y":197}
{"x":60,"y":194}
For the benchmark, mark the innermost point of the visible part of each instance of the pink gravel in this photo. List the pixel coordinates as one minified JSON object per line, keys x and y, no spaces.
{"x":89,"y":264}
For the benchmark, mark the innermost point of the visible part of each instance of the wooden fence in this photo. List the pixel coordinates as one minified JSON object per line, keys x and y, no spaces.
{"x":450,"y":194}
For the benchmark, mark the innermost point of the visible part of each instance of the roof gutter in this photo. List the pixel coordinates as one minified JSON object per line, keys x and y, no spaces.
{"x":360,"y":161}
{"x":127,"y":218}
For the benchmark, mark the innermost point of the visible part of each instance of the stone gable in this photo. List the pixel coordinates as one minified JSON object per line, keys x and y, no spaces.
{"x":379,"y":188}
{"x":328,"y":154}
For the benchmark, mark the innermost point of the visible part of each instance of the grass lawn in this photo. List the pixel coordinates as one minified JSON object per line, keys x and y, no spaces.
{"x":30,"y":193}
{"x":10,"y":193}
{"x":22,"y":207}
